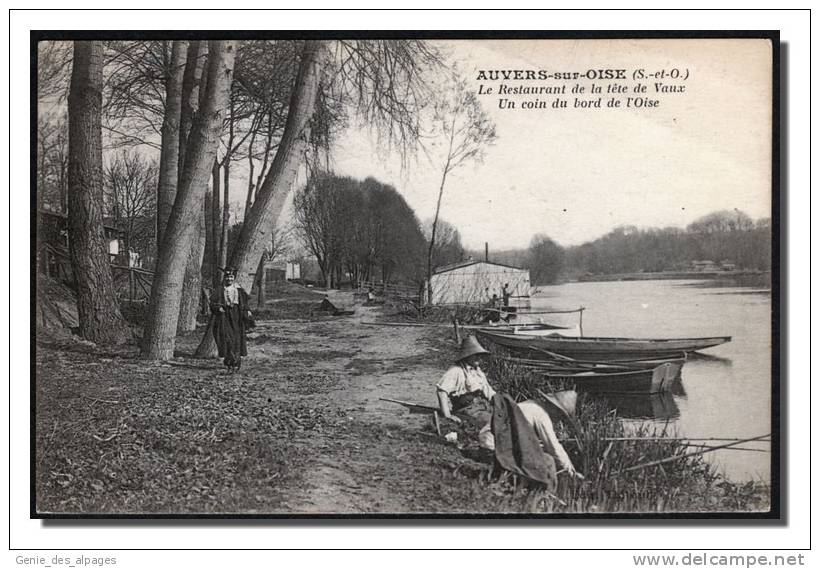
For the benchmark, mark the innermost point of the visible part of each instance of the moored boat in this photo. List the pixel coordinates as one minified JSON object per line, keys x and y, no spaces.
{"x":601,"y":348}
{"x":529,"y":329}
{"x":655,"y":379}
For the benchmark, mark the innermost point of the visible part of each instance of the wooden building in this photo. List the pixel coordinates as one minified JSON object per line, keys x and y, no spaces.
{"x":475,"y":282}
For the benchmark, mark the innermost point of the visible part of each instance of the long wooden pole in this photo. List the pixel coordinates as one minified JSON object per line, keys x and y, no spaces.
{"x":687,"y":439}
{"x":688,"y":454}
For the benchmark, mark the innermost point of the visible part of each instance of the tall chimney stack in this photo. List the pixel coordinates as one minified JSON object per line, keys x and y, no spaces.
{"x":486,"y":252}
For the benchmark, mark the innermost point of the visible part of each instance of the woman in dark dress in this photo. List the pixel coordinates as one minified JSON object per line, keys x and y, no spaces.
{"x":231,"y":317}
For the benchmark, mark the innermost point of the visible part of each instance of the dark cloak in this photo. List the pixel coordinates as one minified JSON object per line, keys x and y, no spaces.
{"x":230,"y":324}
{"x":517,"y":448}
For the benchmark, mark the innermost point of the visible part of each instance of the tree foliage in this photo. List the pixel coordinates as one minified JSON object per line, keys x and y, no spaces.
{"x":545,"y":260}
{"x":448,"y":247}
{"x":361,"y":230}
{"x":731,"y":237}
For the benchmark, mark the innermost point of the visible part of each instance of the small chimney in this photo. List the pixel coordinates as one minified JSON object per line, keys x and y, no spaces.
{"x":486,"y":252}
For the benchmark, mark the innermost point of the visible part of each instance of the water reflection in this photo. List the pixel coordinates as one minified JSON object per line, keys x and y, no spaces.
{"x":655,"y":407}
{"x":677,"y":388}
{"x":759,"y":281}
{"x":709,"y":359}
{"x":728,"y":388}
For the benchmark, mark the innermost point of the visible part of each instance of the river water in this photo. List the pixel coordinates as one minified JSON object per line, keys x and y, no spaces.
{"x":724,"y":393}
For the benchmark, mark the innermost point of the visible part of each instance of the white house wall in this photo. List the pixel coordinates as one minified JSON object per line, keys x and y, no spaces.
{"x":477,"y":283}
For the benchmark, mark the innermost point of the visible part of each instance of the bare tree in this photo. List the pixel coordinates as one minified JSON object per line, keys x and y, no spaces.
{"x":160,"y":330}
{"x":465,"y":130}
{"x":52,"y":162}
{"x":130,"y":182}
{"x":316,"y":211}
{"x":169,"y":156}
{"x":271,"y":196}
{"x":384,"y":83}
{"x":53,"y":69}
{"x":99,"y":314}
{"x":136,"y":90}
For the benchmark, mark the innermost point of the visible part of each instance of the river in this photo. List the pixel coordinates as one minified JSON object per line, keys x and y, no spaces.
{"x":724,"y":393}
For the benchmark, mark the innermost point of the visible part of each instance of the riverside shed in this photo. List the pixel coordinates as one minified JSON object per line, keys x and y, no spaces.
{"x":472,"y":281}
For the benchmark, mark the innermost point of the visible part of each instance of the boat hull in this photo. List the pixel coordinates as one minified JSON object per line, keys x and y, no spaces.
{"x":605,"y":349}
{"x":657,"y":379}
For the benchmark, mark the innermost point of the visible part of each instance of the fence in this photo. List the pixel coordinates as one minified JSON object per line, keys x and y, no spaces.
{"x":130,"y":283}
{"x":388,"y":290}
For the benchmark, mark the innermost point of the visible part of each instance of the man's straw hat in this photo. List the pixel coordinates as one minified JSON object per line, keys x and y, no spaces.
{"x":470,"y":347}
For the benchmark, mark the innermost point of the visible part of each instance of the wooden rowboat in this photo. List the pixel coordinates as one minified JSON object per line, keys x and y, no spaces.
{"x":597,"y":348}
{"x":528,"y":329}
{"x":650,"y":380}
{"x":554,"y":362}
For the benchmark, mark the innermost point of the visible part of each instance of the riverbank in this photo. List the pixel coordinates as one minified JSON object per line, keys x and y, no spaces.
{"x":300,"y":429}
{"x":739,"y":278}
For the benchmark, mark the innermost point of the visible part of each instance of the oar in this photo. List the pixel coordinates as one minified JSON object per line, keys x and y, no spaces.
{"x":704,"y":451}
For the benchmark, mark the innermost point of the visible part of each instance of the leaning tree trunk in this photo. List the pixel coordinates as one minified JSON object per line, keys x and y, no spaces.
{"x":272,"y":194}
{"x":160,"y":330}
{"x":99,"y":315}
{"x":169,"y":154}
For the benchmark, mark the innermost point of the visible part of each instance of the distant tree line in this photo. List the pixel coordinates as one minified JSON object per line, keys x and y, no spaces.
{"x":721,"y":237}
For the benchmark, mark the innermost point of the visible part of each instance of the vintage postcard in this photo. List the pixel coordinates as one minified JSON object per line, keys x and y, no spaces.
{"x":406,"y":274}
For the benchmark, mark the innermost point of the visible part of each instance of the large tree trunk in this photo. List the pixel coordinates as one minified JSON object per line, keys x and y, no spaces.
{"x":226,"y":210}
{"x":169,"y":154}
{"x":207,"y":255}
{"x":272,"y":194}
{"x":192,"y":285}
{"x":189,"y":98}
{"x":99,"y":315}
{"x":207,"y":346}
{"x":216,"y":224}
{"x":160,"y":330}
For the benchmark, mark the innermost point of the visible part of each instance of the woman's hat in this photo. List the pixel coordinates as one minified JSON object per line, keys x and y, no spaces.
{"x":470,"y":347}
{"x":229,"y":271}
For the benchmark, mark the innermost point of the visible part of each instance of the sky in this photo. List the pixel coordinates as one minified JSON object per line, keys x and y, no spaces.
{"x":575,"y":174}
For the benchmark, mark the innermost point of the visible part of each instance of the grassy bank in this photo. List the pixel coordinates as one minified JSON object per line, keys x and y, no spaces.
{"x":689,"y":484}
{"x":301,"y":430}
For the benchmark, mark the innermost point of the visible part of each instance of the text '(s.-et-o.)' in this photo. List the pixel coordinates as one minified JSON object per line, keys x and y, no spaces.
{"x":529,"y":89}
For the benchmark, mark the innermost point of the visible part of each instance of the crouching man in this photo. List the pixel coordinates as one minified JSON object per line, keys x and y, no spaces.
{"x":464,"y":394}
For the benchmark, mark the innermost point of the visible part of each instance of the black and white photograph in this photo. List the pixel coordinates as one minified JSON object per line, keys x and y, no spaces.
{"x":413,"y":274}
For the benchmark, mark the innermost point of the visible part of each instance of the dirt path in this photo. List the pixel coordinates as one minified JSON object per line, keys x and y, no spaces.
{"x":300,"y":429}
{"x":364,"y":363}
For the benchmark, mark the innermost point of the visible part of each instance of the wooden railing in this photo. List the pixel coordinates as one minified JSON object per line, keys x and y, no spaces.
{"x":387,"y":290}
{"x":139,"y":282}
{"x":131,"y":283}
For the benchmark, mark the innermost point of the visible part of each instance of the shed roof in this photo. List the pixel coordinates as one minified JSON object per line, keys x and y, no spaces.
{"x":469,"y":262}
